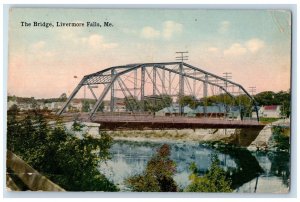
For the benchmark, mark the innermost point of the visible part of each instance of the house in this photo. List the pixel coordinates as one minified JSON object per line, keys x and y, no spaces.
{"x":211,"y":111}
{"x":54,"y":106}
{"x":76,"y":105}
{"x":119,"y":105}
{"x":174,"y":110}
{"x":270,"y":111}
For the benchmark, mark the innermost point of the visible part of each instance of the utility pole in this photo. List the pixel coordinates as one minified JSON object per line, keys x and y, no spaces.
{"x":252,"y":90}
{"x":227,"y":76}
{"x":182,"y":57}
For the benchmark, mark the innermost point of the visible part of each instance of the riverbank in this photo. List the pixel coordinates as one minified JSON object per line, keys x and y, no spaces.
{"x":253,"y":140}
{"x":265,"y":140}
{"x":261,"y":141}
{"x":185,"y":135}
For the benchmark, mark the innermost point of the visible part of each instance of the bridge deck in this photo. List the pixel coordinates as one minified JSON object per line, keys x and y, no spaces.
{"x":160,"y":122}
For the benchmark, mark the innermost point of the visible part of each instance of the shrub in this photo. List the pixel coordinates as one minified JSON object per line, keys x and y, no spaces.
{"x":66,"y":160}
{"x":158,"y":175}
{"x":214,"y":180}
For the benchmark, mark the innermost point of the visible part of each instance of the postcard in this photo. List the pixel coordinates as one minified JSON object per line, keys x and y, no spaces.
{"x":149,"y":100}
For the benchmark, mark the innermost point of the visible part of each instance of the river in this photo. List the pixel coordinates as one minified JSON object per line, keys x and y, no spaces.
{"x":260,"y":172}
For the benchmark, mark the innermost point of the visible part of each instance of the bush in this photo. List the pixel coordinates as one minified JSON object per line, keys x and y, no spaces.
{"x":214,"y":180}
{"x":66,"y":160}
{"x":282,"y":141}
{"x":158,"y":175}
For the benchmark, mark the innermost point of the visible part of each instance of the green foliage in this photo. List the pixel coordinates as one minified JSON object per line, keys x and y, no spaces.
{"x":267,"y":120}
{"x":157,"y":102}
{"x":68,"y":161}
{"x":13,"y":110}
{"x":132,"y":104}
{"x":152,"y":103}
{"x":222,"y":98}
{"x":158,"y":175}
{"x":101,"y":107}
{"x":282,"y":141}
{"x":63,"y":97}
{"x":189,"y":100}
{"x":282,"y":98}
{"x":77,"y":126}
{"x":85,"y":106}
{"x":265,"y":98}
{"x":215,"y":180}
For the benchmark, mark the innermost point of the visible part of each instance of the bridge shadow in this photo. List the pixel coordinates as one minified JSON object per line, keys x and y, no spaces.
{"x":247,"y":167}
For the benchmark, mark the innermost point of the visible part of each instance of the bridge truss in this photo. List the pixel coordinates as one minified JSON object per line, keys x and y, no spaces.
{"x":154,"y":81}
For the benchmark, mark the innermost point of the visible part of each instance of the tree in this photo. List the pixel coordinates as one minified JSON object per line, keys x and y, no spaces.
{"x":131,"y":103}
{"x":158,"y":175}
{"x":215,"y":180}
{"x":282,"y":98}
{"x":63,"y":97}
{"x":189,"y":100}
{"x":265,"y":98}
{"x":157,"y":102}
{"x":58,"y":154}
{"x":101,"y":107}
{"x":85,"y":106}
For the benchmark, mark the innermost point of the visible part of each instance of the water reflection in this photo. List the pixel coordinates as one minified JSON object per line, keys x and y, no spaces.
{"x":250,"y":172}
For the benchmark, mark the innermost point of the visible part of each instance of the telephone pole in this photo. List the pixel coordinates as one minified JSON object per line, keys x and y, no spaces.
{"x":252,"y":90}
{"x":182,"y":57}
{"x":227,"y":76}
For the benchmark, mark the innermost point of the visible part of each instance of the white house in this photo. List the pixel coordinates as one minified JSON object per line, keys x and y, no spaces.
{"x":270,"y":111}
{"x":54,"y":105}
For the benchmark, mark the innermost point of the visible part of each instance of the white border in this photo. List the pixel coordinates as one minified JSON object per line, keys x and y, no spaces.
{"x":151,"y":4}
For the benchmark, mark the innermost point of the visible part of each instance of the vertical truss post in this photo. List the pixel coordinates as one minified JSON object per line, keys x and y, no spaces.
{"x":205,"y":95}
{"x":112,"y":93}
{"x":143,"y":87}
{"x":181,"y":86}
{"x":154,"y":81}
{"x":135,"y":83}
{"x":194,"y":84}
{"x":239,"y":101}
{"x":163,"y":79}
{"x":170,"y":83}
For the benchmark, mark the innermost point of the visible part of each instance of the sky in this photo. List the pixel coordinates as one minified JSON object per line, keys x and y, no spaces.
{"x":255,"y":45}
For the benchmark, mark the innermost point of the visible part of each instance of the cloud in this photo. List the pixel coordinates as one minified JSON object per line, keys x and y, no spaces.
{"x":38,"y":45}
{"x":250,"y":46}
{"x":255,"y":45}
{"x":39,"y":50}
{"x":213,"y":49}
{"x":73,"y":39}
{"x":169,"y":29}
{"x":97,"y":41}
{"x":235,"y":49}
{"x":224,"y":27}
{"x":150,"y":33}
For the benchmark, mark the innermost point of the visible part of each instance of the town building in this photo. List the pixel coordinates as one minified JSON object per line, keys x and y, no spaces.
{"x":270,"y":111}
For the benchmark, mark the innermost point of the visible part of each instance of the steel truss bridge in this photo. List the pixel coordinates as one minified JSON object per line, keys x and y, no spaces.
{"x":144,"y":88}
